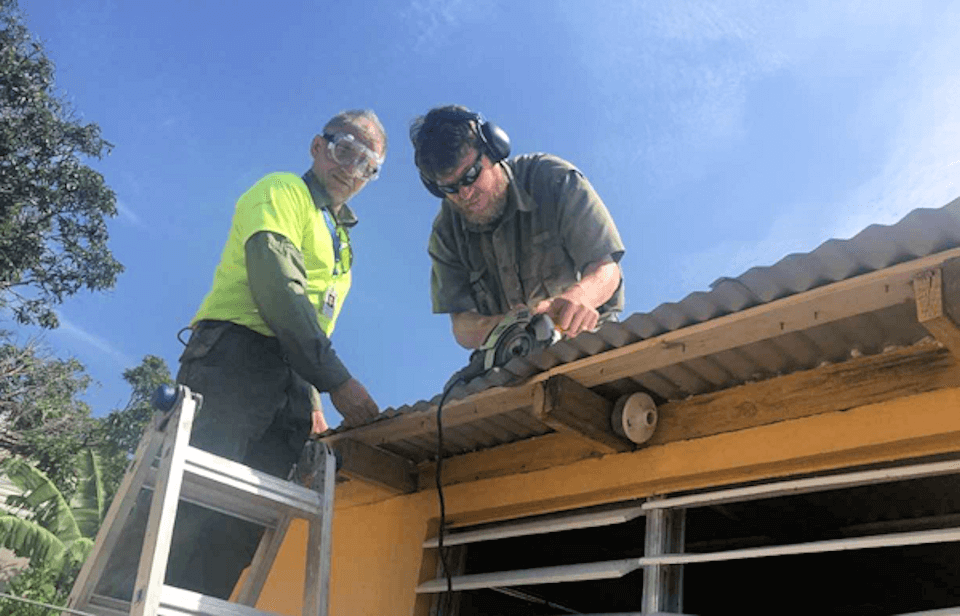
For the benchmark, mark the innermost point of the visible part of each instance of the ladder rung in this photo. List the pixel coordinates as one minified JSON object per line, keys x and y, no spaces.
{"x":107,"y":606}
{"x":240,"y":491}
{"x":166,"y":464}
{"x":179,"y":602}
{"x":176,"y":602}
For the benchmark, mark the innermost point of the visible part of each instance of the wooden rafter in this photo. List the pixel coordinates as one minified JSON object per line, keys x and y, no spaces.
{"x":937,"y":293}
{"x":567,"y":406}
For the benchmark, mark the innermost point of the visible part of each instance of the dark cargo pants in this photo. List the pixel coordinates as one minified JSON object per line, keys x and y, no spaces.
{"x":256,"y":410}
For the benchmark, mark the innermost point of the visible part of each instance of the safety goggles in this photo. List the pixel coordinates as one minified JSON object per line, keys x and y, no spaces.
{"x":346,"y":151}
{"x":469,"y":177}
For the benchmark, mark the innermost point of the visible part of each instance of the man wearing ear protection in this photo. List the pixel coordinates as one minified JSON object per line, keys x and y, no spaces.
{"x":523,"y":231}
{"x":260,"y":347}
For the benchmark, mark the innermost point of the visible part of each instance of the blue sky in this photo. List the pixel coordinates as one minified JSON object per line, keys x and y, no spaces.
{"x":721,"y":135}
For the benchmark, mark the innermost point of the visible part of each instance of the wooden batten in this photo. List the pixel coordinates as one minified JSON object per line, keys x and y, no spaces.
{"x":937,"y":293}
{"x":376,"y":466}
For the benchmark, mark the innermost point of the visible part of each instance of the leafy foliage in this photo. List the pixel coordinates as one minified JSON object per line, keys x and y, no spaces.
{"x":53,"y":207}
{"x":119,"y":433}
{"x":48,"y":533}
{"x":62,"y":512}
{"x":37,"y":584}
{"x":41,"y":416}
{"x":89,"y":500}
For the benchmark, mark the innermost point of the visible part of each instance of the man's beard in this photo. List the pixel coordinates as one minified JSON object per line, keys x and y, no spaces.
{"x":488,"y":216}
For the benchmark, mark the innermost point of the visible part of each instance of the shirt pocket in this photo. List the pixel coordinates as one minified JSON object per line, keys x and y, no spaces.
{"x":203,"y":339}
{"x":532,"y":262}
{"x":480,"y":290}
{"x":543,"y":266}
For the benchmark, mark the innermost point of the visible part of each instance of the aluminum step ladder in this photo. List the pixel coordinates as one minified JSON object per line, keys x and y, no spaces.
{"x":187,"y":473}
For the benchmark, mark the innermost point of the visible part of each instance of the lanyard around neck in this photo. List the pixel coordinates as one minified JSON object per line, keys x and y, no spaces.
{"x":342,"y":261}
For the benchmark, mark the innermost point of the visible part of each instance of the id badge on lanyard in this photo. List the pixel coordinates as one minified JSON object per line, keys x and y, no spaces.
{"x":339,"y":266}
{"x":329,"y":307}
{"x":329,"y":302}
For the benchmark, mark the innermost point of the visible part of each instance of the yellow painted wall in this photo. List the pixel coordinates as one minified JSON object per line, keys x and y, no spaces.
{"x":377,"y":555}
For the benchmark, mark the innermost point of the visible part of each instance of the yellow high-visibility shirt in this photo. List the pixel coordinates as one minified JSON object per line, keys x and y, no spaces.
{"x":281,"y":203}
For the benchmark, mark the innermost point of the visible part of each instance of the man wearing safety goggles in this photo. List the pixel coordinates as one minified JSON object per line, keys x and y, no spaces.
{"x":524,"y":231}
{"x":260,"y":348}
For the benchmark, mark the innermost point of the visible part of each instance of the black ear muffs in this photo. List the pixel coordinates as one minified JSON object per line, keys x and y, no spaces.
{"x":493,"y":139}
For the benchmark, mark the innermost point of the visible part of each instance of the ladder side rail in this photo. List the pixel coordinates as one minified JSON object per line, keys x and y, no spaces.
{"x":163,"y":510}
{"x":316,"y":590}
{"x":117,"y":515}
{"x":263,"y":561}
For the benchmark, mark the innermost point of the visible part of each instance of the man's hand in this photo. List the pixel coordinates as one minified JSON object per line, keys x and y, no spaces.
{"x":575,"y":310}
{"x":354,"y":403}
{"x":569,"y":315}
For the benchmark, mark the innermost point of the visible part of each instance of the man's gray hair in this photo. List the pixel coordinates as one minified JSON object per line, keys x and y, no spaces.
{"x":350,"y":117}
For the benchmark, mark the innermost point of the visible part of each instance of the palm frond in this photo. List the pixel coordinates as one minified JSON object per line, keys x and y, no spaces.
{"x":42,"y":498}
{"x":30,"y":540}
{"x":87,"y":503}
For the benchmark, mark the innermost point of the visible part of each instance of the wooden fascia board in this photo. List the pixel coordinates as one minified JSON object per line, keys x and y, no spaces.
{"x":381,"y":468}
{"x":847,"y":298}
{"x":862,"y":381}
{"x":905,"y":428}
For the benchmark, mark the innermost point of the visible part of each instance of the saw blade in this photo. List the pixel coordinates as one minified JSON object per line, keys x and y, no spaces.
{"x":516,"y":341}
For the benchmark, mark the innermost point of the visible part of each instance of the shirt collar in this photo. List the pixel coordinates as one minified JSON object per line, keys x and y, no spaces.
{"x":345,"y":218}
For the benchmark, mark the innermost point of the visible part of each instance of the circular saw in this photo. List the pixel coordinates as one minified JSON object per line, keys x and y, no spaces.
{"x":519,"y":334}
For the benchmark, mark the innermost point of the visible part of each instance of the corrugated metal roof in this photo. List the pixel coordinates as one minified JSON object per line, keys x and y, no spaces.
{"x":923,"y":232}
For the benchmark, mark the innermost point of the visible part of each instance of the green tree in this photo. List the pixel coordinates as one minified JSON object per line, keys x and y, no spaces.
{"x":52,"y":531}
{"x":53,"y":207}
{"x":60,"y":512}
{"x":41,"y":415}
{"x":40,"y":584}
{"x":119,"y":432}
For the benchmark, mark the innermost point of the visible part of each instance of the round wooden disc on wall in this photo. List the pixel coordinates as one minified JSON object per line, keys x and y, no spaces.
{"x":635,"y":417}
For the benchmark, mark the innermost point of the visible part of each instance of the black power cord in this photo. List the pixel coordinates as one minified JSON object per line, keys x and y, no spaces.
{"x":445,"y":599}
{"x":539,"y":334}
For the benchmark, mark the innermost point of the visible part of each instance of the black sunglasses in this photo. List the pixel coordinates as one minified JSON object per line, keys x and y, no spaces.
{"x":469,"y":177}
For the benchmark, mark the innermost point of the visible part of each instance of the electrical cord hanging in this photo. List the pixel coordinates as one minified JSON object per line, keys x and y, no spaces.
{"x":55,"y":608}
{"x":443,"y":508}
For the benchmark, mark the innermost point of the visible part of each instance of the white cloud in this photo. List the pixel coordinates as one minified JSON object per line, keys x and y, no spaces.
{"x":129,"y":214}
{"x":674,"y":73}
{"x":921,"y":168}
{"x":434,"y":21}
{"x":68,"y":328}
{"x":915,"y":104}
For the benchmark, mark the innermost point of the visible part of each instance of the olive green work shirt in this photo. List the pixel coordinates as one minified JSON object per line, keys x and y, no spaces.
{"x":553,"y":226}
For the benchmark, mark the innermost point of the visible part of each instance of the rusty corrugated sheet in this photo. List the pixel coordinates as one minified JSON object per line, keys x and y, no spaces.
{"x":921,"y":233}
